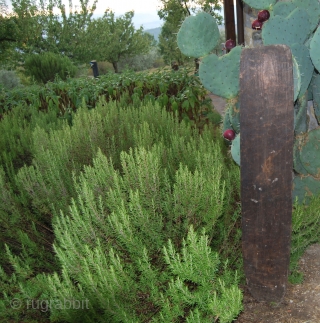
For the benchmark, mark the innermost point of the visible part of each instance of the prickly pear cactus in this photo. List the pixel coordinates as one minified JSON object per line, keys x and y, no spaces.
{"x":198,"y":35}
{"x":235,"y":149}
{"x":260,"y":4}
{"x":295,"y":24}
{"x":224,"y":81}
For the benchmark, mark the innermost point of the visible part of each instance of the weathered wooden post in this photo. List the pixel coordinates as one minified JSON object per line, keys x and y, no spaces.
{"x":240,"y":22}
{"x":229,"y":20}
{"x":267,"y":134}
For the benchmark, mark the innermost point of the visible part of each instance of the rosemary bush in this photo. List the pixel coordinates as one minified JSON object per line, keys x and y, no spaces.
{"x":47,"y":66}
{"x":129,"y":194}
{"x":9,"y":79}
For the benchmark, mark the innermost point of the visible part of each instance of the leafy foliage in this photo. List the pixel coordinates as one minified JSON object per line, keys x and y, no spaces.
{"x":141,"y":62}
{"x":8,"y":31}
{"x":305,"y":231}
{"x":153,"y":160}
{"x":9,"y":79}
{"x":177,"y":91}
{"x":113,"y":38}
{"x":173,"y":13}
{"x":46,"y":67}
{"x":44,"y":26}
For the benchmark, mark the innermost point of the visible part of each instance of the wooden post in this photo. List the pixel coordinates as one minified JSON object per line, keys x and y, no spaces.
{"x":266,"y":118}
{"x":229,"y":20}
{"x":240,"y":22}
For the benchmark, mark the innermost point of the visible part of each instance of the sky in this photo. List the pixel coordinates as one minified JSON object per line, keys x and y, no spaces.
{"x":145,"y":11}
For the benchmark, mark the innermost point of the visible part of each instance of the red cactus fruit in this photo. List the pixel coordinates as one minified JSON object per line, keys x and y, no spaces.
{"x":229,"y":134}
{"x":257,"y":24}
{"x":230,"y":43}
{"x":263,"y":15}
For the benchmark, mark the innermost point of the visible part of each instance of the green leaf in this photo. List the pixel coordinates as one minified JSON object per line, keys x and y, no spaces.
{"x":186,"y":105}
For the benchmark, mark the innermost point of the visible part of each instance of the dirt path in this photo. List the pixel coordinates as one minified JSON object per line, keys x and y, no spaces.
{"x":218,"y":102}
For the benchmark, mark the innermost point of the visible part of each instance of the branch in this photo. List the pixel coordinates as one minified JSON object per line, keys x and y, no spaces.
{"x":185,"y":4}
{"x":2,"y":39}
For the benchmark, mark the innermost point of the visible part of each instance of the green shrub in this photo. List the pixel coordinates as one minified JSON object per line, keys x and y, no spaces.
{"x":130,"y":170}
{"x":104,"y":68}
{"x":140,"y":62}
{"x":178,"y":92}
{"x":305,"y":231}
{"x":9,"y":79}
{"x":46,"y":66}
{"x":159,"y":62}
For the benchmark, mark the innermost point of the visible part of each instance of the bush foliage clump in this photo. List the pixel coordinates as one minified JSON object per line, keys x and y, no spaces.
{"x":9,"y":79}
{"x":148,"y":205}
{"x":47,"y":66}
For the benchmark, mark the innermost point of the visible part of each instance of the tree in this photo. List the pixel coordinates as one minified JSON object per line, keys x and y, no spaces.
{"x":44,"y":25}
{"x":112,"y":38}
{"x":173,"y":12}
{"x":71,"y":40}
{"x":8,"y":30}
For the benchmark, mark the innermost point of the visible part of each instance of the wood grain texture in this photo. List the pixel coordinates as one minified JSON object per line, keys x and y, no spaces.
{"x":240,"y":22}
{"x":267,"y":134}
{"x":229,"y":19}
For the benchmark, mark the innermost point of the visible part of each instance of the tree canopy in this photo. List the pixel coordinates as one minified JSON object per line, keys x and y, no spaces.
{"x":112,"y":38}
{"x":37,"y":26}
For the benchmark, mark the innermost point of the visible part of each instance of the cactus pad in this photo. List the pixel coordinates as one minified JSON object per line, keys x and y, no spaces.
{"x":234,"y":115}
{"x":287,"y":30}
{"x":304,"y":187}
{"x":301,"y":54}
{"x":220,"y":75}
{"x":235,"y":149}
{"x":300,"y":114}
{"x":226,"y":122}
{"x":310,"y":152}
{"x":198,"y":35}
{"x":316,"y":96}
{"x":260,"y":4}
{"x":312,"y":7}
{"x":296,"y":78}
{"x":315,"y":49}
{"x":283,"y":8}
{"x":297,"y":164}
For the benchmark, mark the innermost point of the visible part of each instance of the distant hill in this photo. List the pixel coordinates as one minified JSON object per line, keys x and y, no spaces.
{"x":154,"y":32}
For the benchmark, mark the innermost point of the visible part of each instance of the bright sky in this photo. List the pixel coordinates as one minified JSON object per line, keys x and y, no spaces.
{"x":121,"y":6}
{"x":145,"y":11}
